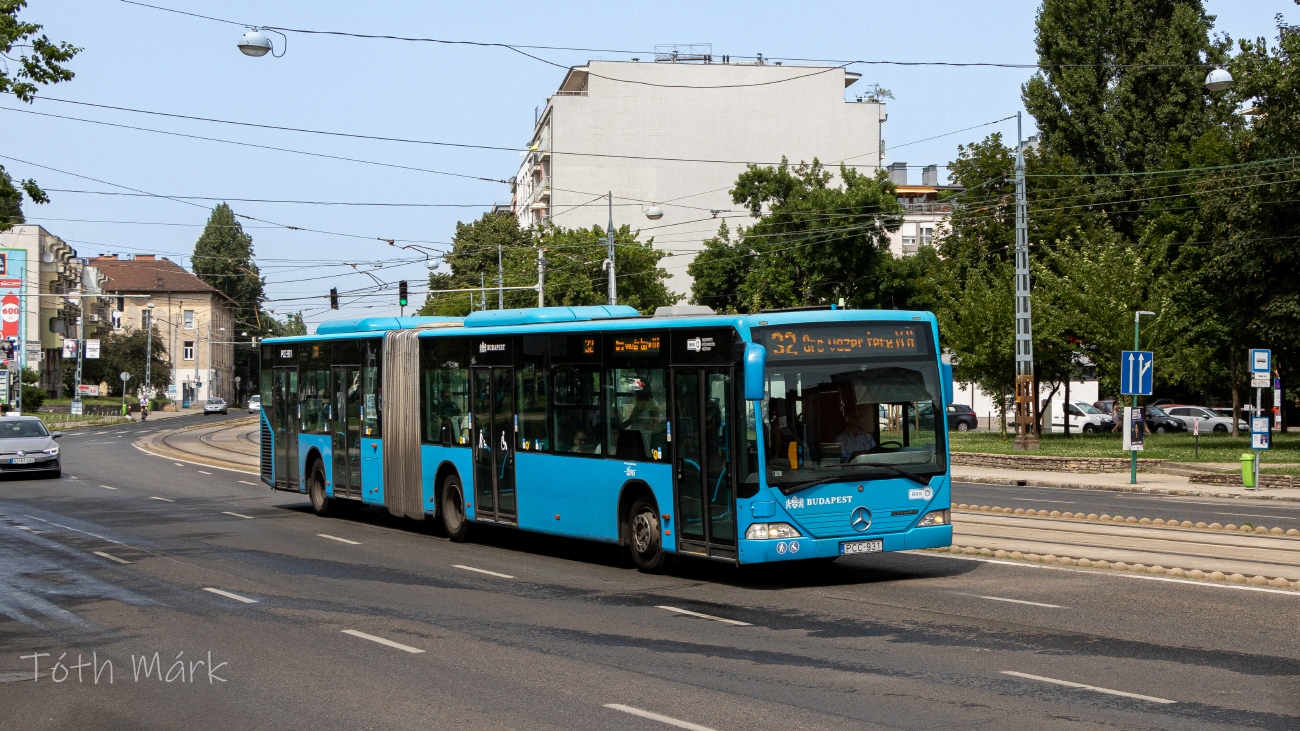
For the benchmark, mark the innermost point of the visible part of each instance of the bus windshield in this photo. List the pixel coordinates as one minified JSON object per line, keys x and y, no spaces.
{"x":851,"y":401}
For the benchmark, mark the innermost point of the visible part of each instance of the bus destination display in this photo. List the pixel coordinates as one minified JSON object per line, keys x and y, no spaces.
{"x":636,"y":344}
{"x":842,"y":341}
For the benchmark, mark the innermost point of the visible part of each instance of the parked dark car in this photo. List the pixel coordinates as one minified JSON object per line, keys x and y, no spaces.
{"x":1158,"y":422}
{"x":962,"y":418}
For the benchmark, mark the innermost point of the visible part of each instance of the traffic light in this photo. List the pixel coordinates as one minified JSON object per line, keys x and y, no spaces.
{"x":401,"y":293}
{"x":334,"y":298}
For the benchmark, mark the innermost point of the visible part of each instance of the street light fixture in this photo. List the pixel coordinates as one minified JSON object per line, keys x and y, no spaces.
{"x":256,"y":44}
{"x":1218,"y":80}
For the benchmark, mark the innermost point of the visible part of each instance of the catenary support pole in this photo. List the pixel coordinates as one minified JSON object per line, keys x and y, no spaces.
{"x":609,"y":262}
{"x":1026,"y":437}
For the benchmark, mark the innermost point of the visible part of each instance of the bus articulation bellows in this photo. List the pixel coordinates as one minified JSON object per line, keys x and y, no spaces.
{"x":741,"y":438}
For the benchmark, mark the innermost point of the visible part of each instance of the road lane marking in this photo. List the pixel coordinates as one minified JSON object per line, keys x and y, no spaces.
{"x":237,"y":515}
{"x":1017,"y":601}
{"x":178,"y":464}
{"x":186,"y":461}
{"x":382,"y":641}
{"x":228,"y":595}
{"x":246,"y":482}
{"x":689,"y":613}
{"x":482,"y":571}
{"x":658,"y":717}
{"x":201,"y":472}
{"x":110,"y":557}
{"x":108,"y":487}
{"x":1082,"y":686}
{"x":164,"y":499}
{"x":1037,"y":500}
{"x":340,"y":540}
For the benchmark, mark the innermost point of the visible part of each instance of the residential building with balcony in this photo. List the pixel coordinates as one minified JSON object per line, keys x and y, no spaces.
{"x":925,"y":215}
{"x":676,"y":132}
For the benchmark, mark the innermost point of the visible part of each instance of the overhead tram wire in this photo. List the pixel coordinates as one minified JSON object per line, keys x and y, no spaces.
{"x":273,"y":200}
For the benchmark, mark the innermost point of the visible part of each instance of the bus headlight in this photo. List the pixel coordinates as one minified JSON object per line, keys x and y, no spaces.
{"x":935,"y":517}
{"x":763,"y":531}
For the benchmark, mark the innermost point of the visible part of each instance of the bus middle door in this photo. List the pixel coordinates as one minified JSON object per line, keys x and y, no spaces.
{"x":347,"y":431}
{"x":494,"y":443}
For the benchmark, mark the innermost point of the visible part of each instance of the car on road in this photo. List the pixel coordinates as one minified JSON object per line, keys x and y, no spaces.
{"x":254,"y":404}
{"x":27,"y":446}
{"x":962,"y":418}
{"x":1210,"y":421}
{"x":1159,"y":422}
{"x":215,"y":406}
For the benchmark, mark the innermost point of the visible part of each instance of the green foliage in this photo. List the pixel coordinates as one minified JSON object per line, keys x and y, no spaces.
{"x":124,"y":351}
{"x":573,"y":270}
{"x":223,"y":257}
{"x":291,"y":325}
{"x":814,"y":242}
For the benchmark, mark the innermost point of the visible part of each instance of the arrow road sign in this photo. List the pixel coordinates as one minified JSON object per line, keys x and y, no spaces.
{"x":1136,"y":372}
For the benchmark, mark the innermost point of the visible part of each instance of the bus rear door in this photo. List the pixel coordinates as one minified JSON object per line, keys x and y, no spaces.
{"x":284,"y":402}
{"x":347,"y":431}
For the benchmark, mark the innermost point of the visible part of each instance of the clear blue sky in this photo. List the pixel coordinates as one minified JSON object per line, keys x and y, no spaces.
{"x":142,"y":58}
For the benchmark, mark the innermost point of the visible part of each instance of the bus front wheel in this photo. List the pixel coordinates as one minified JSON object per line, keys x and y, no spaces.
{"x":644,"y":537}
{"x":320,"y":502}
{"x":452,"y":509}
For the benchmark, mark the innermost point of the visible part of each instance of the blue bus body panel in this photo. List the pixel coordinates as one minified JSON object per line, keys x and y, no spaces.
{"x":432,"y":458}
{"x":372,"y":471}
{"x":325,"y":446}
{"x":578,"y":496}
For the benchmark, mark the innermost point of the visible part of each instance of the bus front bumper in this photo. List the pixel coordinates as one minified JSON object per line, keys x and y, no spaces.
{"x":796,"y":549}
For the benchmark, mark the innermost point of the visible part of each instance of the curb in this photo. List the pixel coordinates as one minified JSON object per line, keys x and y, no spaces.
{"x":1193,"y":574}
{"x":1246,"y":528}
{"x":1120,"y":488}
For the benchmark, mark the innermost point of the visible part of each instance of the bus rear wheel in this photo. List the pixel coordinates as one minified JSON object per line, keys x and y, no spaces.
{"x":321,"y":503}
{"x":645,"y":540}
{"x":452,"y":509}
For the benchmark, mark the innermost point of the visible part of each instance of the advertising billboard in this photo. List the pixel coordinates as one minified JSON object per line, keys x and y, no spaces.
{"x":13,"y":264}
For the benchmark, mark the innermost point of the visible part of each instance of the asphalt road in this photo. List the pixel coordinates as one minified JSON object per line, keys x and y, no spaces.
{"x":367,"y":621}
{"x":1270,"y":513}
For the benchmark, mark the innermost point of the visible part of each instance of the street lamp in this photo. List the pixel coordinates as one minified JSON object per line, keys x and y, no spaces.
{"x":1133,"y":455}
{"x":255,"y":44}
{"x":654,"y":213}
{"x":1218,"y":80}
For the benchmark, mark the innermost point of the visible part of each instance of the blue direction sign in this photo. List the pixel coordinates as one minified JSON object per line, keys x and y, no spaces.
{"x":1136,"y":372}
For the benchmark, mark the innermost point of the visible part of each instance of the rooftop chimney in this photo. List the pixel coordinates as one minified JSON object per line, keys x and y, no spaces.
{"x":144,"y":257}
{"x":930,"y":175}
{"x":897,"y":173}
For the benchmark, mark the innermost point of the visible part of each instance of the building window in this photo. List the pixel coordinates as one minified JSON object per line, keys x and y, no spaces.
{"x":189,"y":319}
{"x":927,"y":235}
{"x":189,"y":350}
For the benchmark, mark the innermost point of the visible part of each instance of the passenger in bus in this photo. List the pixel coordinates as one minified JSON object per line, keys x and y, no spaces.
{"x":582,"y":443}
{"x":854,"y":439}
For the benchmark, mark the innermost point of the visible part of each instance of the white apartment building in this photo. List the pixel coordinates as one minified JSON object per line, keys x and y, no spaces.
{"x":675,"y":132}
{"x":924,"y":215}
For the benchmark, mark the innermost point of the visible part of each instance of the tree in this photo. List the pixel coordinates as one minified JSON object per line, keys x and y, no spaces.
{"x":573,"y":271}
{"x":124,"y":351}
{"x":719,"y":271}
{"x":291,"y":325}
{"x":223,"y":257}
{"x":40,"y":64}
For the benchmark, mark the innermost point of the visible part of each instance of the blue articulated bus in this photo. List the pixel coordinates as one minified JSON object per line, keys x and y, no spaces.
{"x":786,"y":435}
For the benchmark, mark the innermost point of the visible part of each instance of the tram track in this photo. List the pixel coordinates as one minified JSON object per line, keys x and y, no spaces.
{"x":208,"y":439}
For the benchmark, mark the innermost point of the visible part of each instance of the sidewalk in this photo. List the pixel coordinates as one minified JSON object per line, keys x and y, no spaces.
{"x":1148,"y":482}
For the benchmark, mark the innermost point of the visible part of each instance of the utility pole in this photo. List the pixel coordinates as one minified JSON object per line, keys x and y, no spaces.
{"x":148,"y":352}
{"x":609,"y":262}
{"x":1026,"y":438}
{"x":1137,"y":345}
{"x":81,"y":345}
{"x":541,"y":277}
{"x":501,"y":281}
{"x":482,"y":291}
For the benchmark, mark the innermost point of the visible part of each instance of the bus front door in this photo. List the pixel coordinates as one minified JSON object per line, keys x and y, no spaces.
{"x":494,"y":443}
{"x":284,"y":403}
{"x":347,"y":431}
{"x":703,"y":442}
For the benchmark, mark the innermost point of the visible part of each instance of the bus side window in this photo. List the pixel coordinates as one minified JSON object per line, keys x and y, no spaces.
{"x":533,"y":434}
{"x":578,"y":423}
{"x":638,"y":413}
{"x":446,"y":405}
{"x":315,"y":386}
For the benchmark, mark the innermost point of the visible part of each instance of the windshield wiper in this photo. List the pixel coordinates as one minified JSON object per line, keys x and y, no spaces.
{"x":791,"y":489}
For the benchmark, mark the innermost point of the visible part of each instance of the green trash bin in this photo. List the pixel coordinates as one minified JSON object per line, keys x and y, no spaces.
{"x":1248,"y":470}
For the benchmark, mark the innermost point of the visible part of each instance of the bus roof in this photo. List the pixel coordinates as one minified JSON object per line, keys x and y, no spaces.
{"x":589,"y":318}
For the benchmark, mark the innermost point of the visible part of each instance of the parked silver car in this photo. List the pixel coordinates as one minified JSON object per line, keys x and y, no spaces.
{"x":1211,"y":422}
{"x":26,"y":446}
{"x":215,"y":406}
{"x":254,"y":403}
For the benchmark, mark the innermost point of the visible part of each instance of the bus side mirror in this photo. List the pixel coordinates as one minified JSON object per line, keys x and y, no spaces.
{"x":755,"y":362}
{"x":945,"y":374}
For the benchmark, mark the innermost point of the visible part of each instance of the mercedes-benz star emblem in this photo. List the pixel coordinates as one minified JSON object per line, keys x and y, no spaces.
{"x":860,"y":519}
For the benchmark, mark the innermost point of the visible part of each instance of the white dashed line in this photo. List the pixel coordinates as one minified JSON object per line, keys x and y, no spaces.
{"x":1017,"y":601}
{"x":228,"y":595}
{"x":237,"y":515}
{"x":482,"y":571}
{"x":340,"y":540}
{"x":246,"y":482}
{"x":110,"y":557}
{"x":178,"y":464}
{"x":382,"y":641}
{"x":108,"y":487}
{"x":689,"y":613}
{"x":1038,"y":500}
{"x":164,"y":499}
{"x":201,"y":472}
{"x":1081,"y":686}
{"x":658,"y":717}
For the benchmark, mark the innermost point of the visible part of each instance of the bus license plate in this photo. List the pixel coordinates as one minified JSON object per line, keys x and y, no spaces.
{"x":848,"y":549}
{"x":22,"y":460}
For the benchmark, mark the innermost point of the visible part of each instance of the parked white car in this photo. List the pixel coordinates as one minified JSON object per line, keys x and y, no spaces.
{"x":1084,"y":419}
{"x":254,"y":404}
{"x":1211,"y":422}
